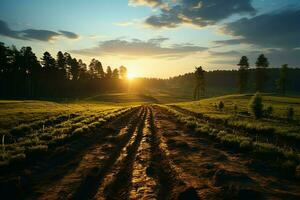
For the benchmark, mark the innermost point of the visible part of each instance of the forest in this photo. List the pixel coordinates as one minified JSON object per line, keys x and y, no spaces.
{"x":24,"y":76}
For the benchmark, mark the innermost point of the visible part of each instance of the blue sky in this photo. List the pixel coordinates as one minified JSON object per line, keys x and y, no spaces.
{"x":157,"y":38}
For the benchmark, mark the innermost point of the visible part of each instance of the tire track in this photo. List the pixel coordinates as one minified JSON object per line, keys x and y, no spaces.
{"x":117,"y":183}
{"x":169,"y":178}
{"x":98,"y":176}
{"x":143,"y":184}
{"x":216,"y":173}
{"x":95,"y":156}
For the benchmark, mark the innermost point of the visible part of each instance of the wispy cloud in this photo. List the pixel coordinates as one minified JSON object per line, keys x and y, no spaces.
{"x":151,"y":3}
{"x":34,"y":34}
{"x":139,"y":48}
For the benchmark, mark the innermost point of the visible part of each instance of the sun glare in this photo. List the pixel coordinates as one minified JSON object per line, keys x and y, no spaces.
{"x":131,"y":75}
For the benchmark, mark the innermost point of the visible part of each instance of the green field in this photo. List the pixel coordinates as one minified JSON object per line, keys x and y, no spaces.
{"x":273,"y":137}
{"x":54,"y":133}
{"x":29,"y":127}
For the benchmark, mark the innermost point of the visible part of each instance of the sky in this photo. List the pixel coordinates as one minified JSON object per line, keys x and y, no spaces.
{"x":157,"y":38}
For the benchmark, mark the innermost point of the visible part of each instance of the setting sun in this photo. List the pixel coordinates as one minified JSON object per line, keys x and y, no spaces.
{"x":131,"y":75}
{"x":150,"y":99}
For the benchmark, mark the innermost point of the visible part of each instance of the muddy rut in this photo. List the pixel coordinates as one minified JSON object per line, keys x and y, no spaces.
{"x":147,"y":154}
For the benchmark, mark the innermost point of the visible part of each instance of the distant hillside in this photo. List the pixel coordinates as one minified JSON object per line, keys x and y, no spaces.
{"x":225,"y":81}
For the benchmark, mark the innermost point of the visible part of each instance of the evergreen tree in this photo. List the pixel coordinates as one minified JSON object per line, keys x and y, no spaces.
{"x":14,"y":72}
{"x":29,"y":69}
{"x":4,"y":69}
{"x":123,"y":72}
{"x":261,"y":76}
{"x":50,"y":71}
{"x":282,"y":81}
{"x":256,"y":106}
{"x":48,"y":62}
{"x":200,"y":83}
{"x":69,"y":61}
{"x":243,"y":74}
{"x":115,"y":74}
{"x":96,"y":69}
{"x":108,"y":72}
{"x":74,"y":69}
{"x":61,"y":66}
{"x":82,"y":70}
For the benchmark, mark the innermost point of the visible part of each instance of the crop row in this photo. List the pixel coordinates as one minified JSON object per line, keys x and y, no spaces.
{"x":36,"y":144}
{"x":258,"y":131}
{"x":280,"y":158}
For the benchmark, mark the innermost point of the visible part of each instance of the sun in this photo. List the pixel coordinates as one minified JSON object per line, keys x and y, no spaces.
{"x":131,"y":75}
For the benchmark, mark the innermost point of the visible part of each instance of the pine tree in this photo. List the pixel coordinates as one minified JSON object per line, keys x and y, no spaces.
{"x":115,"y":74}
{"x":29,"y":68}
{"x":282,"y":81}
{"x":261,"y":75}
{"x":243,"y":74}
{"x":75,"y":69}
{"x":200,"y":83}
{"x":123,"y":72}
{"x":108,"y":72}
{"x":256,"y":106}
{"x":61,"y":66}
{"x":96,"y":69}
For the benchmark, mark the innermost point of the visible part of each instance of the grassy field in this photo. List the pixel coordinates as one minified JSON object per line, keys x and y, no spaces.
{"x":272,"y":137}
{"x":29,"y":127}
{"x":142,"y":97}
{"x":108,"y":133}
{"x":207,"y":106}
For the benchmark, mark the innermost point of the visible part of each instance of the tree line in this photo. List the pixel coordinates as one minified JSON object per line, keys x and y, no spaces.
{"x":261,"y":76}
{"x":261,"y":79}
{"x":22,"y":75}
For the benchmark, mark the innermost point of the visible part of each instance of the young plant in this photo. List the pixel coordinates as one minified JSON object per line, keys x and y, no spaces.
{"x":269,"y":111}
{"x":221,"y":105}
{"x":256,"y":106}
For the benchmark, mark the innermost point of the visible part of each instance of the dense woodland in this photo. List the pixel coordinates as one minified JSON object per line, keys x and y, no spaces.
{"x":283,"y":80}
{"x":228,"y":80}
{"x":24,"y":76}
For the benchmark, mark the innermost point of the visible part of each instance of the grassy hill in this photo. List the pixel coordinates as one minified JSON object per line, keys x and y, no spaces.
{"x":207,"y":106}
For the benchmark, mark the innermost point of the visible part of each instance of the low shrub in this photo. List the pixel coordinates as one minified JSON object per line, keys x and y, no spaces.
{"x":61,"y":131}
{"x":256,"y":106}
{"x":221,"y":105}
{"x":191,"y":124}
{"x":81,"y":130}
{"x":269,"y":111}
{"x":21,"y":130}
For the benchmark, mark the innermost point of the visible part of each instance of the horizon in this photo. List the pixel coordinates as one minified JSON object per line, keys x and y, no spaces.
{"x":150,"y":99}
{"x":156,"y":38}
